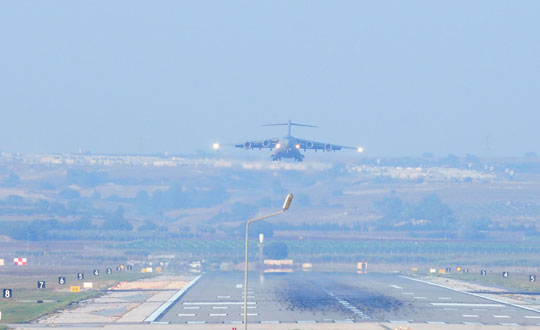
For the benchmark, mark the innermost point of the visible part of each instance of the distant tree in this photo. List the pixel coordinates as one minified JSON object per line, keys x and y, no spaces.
{"x":148,"y":225}
{"x":117,"y":221}
{"x":276,"y":250}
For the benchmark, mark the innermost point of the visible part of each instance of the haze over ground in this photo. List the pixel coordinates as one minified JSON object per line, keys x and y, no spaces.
{"x":399,"y":78}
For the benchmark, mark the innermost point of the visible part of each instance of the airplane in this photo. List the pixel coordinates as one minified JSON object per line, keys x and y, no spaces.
{"x":289,"y":146}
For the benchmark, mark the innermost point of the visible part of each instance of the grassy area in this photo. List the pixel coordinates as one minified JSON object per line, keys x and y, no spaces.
{"x":24,"y":306}
{"x":439,"y":252}
{"x":514,"y":282}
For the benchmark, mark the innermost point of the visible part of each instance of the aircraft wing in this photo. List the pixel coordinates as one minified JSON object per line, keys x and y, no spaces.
{"x":314,"y":145}
{"x":258,"y":144}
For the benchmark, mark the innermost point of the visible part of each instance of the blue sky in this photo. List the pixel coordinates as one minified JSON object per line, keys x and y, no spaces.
{"x":398,"y":77}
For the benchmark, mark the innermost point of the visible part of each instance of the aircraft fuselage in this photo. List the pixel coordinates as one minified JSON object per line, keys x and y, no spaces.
{"x":287,"y":147}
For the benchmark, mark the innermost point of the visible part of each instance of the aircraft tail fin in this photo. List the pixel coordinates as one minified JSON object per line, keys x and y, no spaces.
{"x":289,"y":124}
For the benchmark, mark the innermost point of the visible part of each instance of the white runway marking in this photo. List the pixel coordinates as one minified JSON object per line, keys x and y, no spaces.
{"x":402,"y":321}
{"x":410,"y":293}
{"x":218,"y":307}
{"x":420,"y":297}
{"x":509,"y":324}
{"x":444,"y":298}
{"x":532,"y":316}
{"x":470,"y":315}
{"x":396,"y":286}
{"x":193,"y":307}
{"x":196,"y":322}
{"x":224,"y":297}
{"x":306,"y":321}
{"x":450,"y":309}
{"x":218,"y":303}
{"x":467,"y":305}
{"x":217,"y":314}
{"x":472,"y":323}
{"x":472,"y":294}
{"x":249,"y":307}
{"x":249,"y":314}
{"x":344,"y":321}
{"x":269,"y":322}
{"x":183,"y":315}
{"x":501,"y":316}
{"x":435,"y":322}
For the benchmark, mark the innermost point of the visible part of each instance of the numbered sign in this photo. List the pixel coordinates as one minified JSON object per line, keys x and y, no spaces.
{"x":109,"y":271}
{"x":458,"y":269}
{"x":7,"y":293}
{"x":75,"y":289}
{"x":483,"y":272}
{"x":96,"y":272}
{"x":61,"y":280}
{"x":505,"y":274}
{"x":532,"y":278}
{"x":80,"y":276}
{"x":41,"y":284}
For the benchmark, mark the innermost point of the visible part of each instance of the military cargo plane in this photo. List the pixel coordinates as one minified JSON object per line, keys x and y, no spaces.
{"x":289,"y":146}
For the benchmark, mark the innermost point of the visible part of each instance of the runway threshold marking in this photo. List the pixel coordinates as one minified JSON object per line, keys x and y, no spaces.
{"x":472,"y":294}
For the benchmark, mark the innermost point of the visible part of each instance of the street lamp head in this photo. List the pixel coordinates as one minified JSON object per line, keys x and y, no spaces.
{"x":288,"y":202}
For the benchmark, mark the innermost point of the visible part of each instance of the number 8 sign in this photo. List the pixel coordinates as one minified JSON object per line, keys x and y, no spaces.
{"x":7,"y":293}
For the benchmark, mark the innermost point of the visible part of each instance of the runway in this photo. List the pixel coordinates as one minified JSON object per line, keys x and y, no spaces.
{"x":337,"y":298}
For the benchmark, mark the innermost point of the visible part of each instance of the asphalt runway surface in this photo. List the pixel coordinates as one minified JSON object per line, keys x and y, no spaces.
{"x":337,"y":298}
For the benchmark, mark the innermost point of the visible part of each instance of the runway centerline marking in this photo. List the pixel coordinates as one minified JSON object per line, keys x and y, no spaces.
{"x":501,"y":316}
{"x":183,"y":315}
{"x":470,"y":315}
{"x":217,"y":314}
{"x":396,"y":286}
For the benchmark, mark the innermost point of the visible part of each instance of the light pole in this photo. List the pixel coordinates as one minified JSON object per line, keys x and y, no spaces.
{"x":285,"y":207}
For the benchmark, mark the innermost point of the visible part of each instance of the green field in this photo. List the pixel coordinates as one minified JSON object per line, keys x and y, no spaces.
{"x":515,"y":282}
{"x":24,"y":305}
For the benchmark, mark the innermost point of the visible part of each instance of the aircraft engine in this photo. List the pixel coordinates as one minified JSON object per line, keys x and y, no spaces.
{"x":266,"y":143}
{"x":327,"y":147}
{"x":247,"y":145}
{"x":309,"y":144}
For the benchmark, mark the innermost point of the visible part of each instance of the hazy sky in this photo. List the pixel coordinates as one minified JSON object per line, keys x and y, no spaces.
{"x":398,"y":77}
